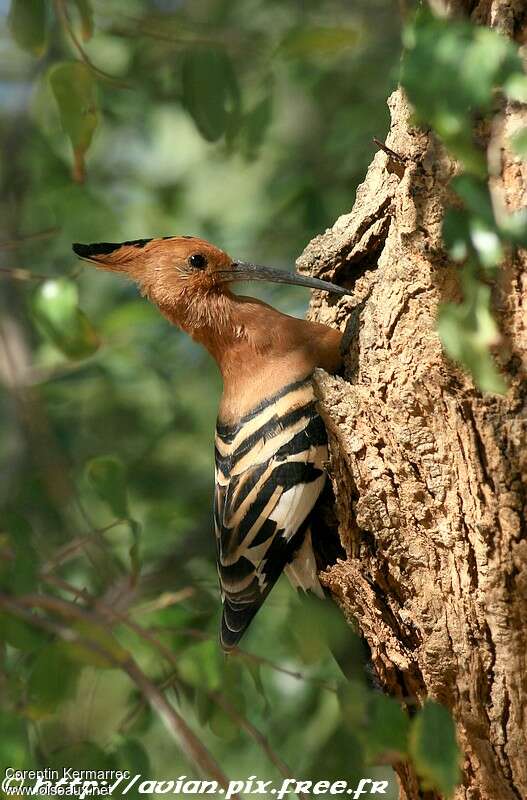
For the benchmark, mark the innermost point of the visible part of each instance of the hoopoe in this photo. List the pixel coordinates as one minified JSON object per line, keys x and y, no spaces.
{"x":271,"y":444}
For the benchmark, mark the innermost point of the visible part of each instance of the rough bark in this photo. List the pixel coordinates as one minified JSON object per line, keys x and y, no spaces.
{"x":430,"y":476}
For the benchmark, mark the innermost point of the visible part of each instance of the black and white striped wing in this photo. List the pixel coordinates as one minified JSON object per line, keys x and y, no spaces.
{"x":269,"y":475}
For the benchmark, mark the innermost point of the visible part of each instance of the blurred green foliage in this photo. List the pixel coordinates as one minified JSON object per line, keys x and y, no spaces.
{"x":74,"y":88}
{"x":27,"y":22}
{"x":55,"y":306}
{"x":249,"y":123}
{"x":469,"y":71}
{"x":433,"y":748}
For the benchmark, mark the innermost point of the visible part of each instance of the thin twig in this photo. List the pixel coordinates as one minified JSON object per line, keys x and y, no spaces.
{"x":11,"y":244}
{"x":291,"y":673}
{"x":141,"y":28}
{"x":255,"y":734}
{"x":19,"y":274}
{"x":237,"y":651}
{"x":62,"y":14}
{"x":188,"y":742}
{"x":165,"y":600}
{"x":63,"y":554}
{"x":133,"y":713}
{"x":164,"y":37}
{"x":219,"y":698}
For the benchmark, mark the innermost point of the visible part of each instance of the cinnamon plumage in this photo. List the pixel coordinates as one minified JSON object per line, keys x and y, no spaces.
{"x":271,"y":444}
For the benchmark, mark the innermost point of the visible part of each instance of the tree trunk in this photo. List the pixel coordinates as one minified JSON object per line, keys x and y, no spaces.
{"x":430,"y":476}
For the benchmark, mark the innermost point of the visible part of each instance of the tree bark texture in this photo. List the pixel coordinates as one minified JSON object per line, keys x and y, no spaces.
{"x":430,"y":476}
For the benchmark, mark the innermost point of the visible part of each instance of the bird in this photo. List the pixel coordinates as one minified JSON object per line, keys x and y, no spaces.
{"x":271,"y":445}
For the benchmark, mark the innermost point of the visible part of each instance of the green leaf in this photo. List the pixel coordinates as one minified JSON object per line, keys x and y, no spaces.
{"x":255,"y":671}
{"x":132,"y":756}
{"x":52,"y":681}
{"x":378,"y":721}
{"x":353,"y":699}
{"x":56,"y":311}
{"x":14,"y":744}
{"x":473,"y":229}
{"x":143,"y":717}
{"x":434,"y":749}
{"x":200,"y":666}
{"x":456,"y":233}
{"x":222,"y":725}
{"x":210,"y":91}
{"x":223,"y":716}
{"x":27,"y":22}
{"x":304,"y":42}
{"x":74,"y":88}
{"x":476,"y":196}
{"x":232,"y":685}
{"x":20,"y":634}
{"x":486,"y":243}
{"x":203,"y":705}
{"x":468,"y":329}
{"x":19,"y":562}
{"x":388,"y":727}
{"x":80,"y":756}
{"x":513,"y":227}
{"x":255,"y":124}
{"x":516,"y":87}
{"x":85,"y":10}
{"x":135,"y":531}
{"x":335,"y":757}
{"x":107,"y":476}
{"x":464,"y":65}
{"x":106,"y":653}
{"x":490,"y":57}
{"x":519,"y":142}
{"x":317,"y":627}
{"x":127,"y":315}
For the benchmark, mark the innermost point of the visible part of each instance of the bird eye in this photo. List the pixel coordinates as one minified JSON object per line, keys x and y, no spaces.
{"x":198,"y":261}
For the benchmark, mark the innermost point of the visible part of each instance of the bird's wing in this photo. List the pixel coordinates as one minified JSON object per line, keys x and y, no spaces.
{"x":269,"y":474}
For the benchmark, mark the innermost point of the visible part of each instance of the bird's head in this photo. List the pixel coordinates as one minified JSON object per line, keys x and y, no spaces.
{"x":175,"y":267}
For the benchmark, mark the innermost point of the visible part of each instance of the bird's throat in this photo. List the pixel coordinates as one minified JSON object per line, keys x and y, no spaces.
{"x":232,"y":328}
{"x":257,"y":348}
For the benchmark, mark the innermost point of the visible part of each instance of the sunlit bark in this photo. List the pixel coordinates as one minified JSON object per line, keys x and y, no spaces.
{"x":430,"y":476}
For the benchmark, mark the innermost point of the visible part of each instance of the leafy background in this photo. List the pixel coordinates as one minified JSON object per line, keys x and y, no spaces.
{"x":248,"y":122}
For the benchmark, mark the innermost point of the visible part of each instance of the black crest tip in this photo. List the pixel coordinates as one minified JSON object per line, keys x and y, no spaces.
{"x":105,"y":248}
{"x":82,"y":250}
{"x":96,"y":249}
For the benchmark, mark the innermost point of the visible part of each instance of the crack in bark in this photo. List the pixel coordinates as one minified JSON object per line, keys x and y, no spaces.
{"x":430,"y":477}
{"x":364,"y":257}
{"x":480,"y":448}
{"x":404,"y":308}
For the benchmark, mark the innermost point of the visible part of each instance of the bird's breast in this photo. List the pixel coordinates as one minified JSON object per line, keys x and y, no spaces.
{"x":270,"y":471}
{"x":268,"y":428}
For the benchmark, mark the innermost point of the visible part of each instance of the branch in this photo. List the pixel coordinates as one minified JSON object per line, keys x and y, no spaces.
{"x":147,"y":636}
{"x":63,"y":554}
{"x":187,"y":741}
{"x":255,"y":734}
{"x":11,"y":244}
{"x":266,"y":662}
{"x":19,"y":274}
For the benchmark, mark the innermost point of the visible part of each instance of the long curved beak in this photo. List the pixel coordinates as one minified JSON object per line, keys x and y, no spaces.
{"x":243,"y":271}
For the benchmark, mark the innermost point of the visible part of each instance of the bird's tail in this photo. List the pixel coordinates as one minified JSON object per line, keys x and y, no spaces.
{"x":235,"y":619}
